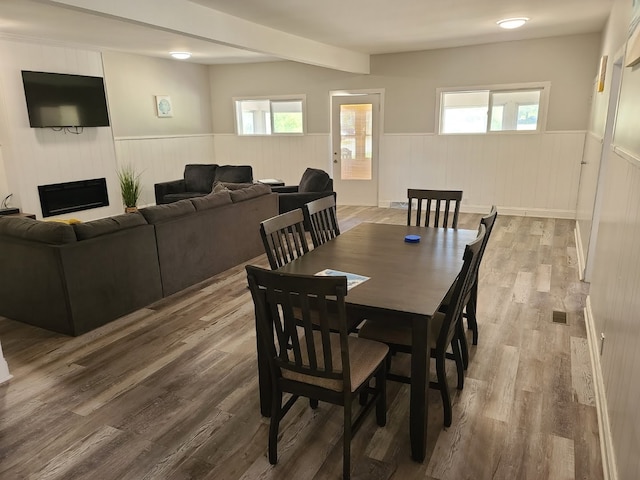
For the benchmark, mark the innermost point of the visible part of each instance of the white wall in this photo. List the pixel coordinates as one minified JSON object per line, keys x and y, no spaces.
{"x":524,"y":174}
{"x":35,"y":156}
{"x":614,"y":302}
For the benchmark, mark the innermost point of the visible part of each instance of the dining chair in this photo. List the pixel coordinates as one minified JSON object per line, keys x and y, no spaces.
{"x":441,"y":200}
{"x":320,"y":216}
{"x":317,"y":363}
{"x":443,"y":330}
{"x":471,"y":303}
{"x":284,"y":238}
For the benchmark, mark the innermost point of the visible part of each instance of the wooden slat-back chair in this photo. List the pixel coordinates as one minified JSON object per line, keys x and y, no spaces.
{"x":443,"y":328}
{"x":310,"y":360}
{"x":320,"y":216}
{"x":284,"y":238}
{"x":437,"y":202}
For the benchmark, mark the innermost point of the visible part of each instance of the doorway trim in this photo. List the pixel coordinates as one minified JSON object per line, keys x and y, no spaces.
{"x":380,"y":128}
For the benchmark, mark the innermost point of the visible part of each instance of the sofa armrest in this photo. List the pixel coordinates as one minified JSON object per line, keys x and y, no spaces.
{"x":293,"y":201}
{"x":165,"y":188}
{"x":285,"y":189}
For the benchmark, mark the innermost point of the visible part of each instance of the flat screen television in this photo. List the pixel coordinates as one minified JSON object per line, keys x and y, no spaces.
{"x":63,"y":100}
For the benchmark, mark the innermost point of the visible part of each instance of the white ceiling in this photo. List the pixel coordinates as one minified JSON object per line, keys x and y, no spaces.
{"x":302,"y":30}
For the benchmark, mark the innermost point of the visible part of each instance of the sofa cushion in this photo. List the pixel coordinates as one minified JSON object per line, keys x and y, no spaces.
{"x":212,"y":200}
{"x":234,"y":173}
{"x":255,"y":190}
{"x":95,"y":228}
{"x":314,"y":180}
{"x":157,"y":213}
{"x":236,"y":186}
{"x":199,"y":177}
{"x":45,"y":232}
{"x":174,"y":197}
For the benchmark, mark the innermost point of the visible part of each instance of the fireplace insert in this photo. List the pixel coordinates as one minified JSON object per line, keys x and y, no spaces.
{"x":60,"y":198}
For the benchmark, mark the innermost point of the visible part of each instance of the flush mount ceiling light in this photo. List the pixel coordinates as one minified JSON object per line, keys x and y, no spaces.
{"x":510,"y":23}
{"x":180,"y":55}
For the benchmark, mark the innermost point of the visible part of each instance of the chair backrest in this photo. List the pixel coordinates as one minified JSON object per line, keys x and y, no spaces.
{"x":320,"y":216}
{"x":284,"y":238}
{"x":285,"y":305}
{"x":488,"y":221}
{"x":461,"y":288}
{"x":438,"y":199}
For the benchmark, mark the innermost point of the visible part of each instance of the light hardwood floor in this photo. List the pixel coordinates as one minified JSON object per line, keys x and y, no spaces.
{"x":170,"y":391}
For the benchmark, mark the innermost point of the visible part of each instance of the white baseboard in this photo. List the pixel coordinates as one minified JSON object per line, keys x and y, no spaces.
{"x":580,"y":251}
{"x":609,"y":468}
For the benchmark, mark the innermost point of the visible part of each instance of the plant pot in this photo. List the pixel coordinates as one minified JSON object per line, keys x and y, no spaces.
{"x":130,"y":209}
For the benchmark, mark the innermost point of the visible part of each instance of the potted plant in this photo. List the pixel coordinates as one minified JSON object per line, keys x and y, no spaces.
{"x":130,"y":186}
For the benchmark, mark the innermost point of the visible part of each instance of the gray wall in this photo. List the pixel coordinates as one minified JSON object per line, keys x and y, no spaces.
{"x":132,"y":81}
{"x":410,"y":81}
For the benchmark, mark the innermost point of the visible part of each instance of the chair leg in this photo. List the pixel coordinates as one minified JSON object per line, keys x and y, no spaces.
{"x":472,"y":321}
{"x":457,"y":356}
{"x":313,"y":403}
{"x":443,"y":387}
{"x":381,"y":404}
{"x":274,"y":425}
{"x":461,"y":339}
{"x":346,"y":452}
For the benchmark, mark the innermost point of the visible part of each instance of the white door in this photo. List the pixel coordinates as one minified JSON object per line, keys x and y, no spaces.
{"x":354,"y":143}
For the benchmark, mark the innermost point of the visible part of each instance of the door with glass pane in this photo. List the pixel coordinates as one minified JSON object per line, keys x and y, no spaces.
{"x":355,"y":120}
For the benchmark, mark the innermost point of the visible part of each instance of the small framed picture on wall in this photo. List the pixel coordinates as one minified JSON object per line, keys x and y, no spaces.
{"x":163,"y":106}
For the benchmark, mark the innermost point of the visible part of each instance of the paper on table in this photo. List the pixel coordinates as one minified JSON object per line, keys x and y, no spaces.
{"x":353,"y":279}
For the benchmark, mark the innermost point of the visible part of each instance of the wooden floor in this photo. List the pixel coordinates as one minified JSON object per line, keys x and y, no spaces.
{"x":170,"y":391}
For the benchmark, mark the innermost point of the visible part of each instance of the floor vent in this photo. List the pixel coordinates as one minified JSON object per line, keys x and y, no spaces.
{"x":559,"y":317}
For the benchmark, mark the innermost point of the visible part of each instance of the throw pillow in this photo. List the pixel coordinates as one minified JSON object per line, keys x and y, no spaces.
{"x":314,"y":180}
{"x":219,"y":187}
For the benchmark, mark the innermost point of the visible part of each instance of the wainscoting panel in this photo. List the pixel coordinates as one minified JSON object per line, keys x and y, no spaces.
{"x":524,"y":174}
{"x":615,"y":304}
{"x":161,"y":159}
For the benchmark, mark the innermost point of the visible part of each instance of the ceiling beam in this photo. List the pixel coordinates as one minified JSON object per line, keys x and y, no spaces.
{"x":195,"y":20}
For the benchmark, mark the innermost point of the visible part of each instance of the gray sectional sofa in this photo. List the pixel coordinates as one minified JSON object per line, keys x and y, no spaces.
{"x":74,"y":278}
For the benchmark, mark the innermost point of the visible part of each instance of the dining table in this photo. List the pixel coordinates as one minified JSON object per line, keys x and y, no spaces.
{"x":404,"y":284}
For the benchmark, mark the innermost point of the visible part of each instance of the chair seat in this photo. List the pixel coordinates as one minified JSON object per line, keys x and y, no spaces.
{"x":364,"y":357}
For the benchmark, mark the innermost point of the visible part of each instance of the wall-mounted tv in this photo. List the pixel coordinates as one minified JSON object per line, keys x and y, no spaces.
{"x":63,"y":100}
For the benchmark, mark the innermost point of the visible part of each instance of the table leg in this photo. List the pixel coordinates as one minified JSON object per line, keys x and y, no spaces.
{"x":418,"y":408}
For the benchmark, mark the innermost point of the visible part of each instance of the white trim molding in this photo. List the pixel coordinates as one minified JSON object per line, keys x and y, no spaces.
{"x":610,"y":471}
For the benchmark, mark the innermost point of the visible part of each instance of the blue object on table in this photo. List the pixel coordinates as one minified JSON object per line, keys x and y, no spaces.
{"x":412,"y":238}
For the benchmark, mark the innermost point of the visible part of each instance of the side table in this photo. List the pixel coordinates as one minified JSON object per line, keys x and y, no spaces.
{"x":272,"y":182}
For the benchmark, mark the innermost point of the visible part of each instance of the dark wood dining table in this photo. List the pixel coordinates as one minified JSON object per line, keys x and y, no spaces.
{"x":407,"y":282}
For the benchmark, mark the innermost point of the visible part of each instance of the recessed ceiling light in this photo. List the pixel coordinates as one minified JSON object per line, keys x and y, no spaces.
{"x":181,"y":55}
{"x":510,"y":23}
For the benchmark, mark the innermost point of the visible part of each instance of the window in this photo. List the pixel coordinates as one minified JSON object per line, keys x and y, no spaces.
{"x":501,"y":109}
{"x":270,"y":116}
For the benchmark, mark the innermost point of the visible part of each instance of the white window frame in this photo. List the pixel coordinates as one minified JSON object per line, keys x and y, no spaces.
{"x":543,"y":106}
{"x":271,"y":98}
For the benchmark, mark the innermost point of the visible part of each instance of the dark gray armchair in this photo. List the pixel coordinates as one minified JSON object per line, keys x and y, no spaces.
{"x":313,"y":185}
{"x":199,"y":179}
